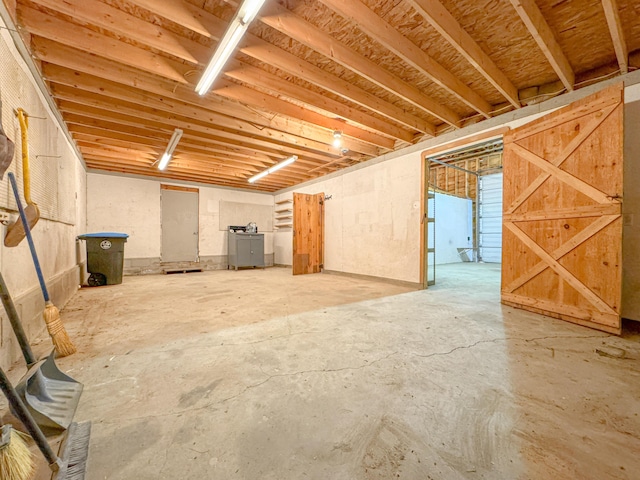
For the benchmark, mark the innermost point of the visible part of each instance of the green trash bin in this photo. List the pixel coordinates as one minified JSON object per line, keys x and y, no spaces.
{"x":105,"y":257}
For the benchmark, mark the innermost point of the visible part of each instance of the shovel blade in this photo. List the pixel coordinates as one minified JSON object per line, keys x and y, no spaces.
{"x":15,"y":231}
{"x":50,"y":395}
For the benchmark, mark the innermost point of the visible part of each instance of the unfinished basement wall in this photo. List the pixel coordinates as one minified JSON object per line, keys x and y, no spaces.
{"x":132,"y":205}
{"x":372,"y":221}
{"x":58,"y":187}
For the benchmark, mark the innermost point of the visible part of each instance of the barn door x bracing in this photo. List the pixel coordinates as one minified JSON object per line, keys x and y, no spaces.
{"x":308,"y":233}
{"x":562,"y":235}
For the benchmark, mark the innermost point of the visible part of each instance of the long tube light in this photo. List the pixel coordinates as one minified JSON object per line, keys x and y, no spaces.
{"x":230,"y":40}
{"x":275,"y":168}
{"x":168,"y":153}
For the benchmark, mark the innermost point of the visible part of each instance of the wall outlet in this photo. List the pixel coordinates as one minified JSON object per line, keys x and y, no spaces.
{"x":5,"y":217}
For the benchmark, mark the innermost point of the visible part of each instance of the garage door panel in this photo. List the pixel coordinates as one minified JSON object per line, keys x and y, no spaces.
{"x":490,"y":225}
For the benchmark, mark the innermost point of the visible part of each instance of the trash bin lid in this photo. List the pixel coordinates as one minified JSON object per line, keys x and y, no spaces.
{"x":103,"y":235}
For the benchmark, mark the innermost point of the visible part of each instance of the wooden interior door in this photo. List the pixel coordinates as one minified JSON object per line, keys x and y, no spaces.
{"x":562,"y":235}
{"x":308,"y":233}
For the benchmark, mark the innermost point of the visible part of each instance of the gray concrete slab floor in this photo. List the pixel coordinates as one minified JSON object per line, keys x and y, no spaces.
{"x":262,"y":375}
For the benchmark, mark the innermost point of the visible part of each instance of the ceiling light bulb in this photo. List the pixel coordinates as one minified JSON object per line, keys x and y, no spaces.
{"x":337,"y":138}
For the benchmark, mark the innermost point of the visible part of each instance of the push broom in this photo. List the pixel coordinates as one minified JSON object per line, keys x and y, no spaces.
{"x":51,"y":314}
{"x":16,"y":460}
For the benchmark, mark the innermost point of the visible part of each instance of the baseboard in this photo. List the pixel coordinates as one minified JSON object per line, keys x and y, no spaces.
{"x":402,"y":283}
{"x":155,"y":265}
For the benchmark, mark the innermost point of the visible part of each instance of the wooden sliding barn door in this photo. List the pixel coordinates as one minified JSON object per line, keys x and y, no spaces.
{"x":308,"y":233}
{"x":562,"y":235}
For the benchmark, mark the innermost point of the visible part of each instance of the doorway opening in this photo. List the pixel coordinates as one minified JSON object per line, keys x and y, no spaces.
{"x":463,"y":206}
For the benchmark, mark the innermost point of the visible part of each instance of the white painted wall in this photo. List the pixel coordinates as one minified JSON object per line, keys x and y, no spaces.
{"x":58,"y":186}
{"x":126,"y":205}
{"x":453,"y":227}
{"x":372,"y":224}
{"x":372,"y":221}
{"x":213,"y":241}
{"x":132,"y":205}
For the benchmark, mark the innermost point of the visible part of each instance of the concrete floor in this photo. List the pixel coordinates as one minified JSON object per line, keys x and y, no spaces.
{"x":258,"y":374}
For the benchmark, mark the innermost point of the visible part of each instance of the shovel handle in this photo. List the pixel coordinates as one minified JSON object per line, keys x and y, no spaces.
{"x":29,"y":423}
{"x":27,"y":231}
{"x":23,"y":118}
{"x":10,"y":308}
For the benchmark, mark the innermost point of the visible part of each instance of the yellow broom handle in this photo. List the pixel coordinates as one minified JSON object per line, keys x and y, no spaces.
{"x":23,"y":117}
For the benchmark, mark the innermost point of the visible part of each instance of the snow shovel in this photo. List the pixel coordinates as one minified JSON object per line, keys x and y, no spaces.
{"x":50,"y":395}
{"x":15,"y":231}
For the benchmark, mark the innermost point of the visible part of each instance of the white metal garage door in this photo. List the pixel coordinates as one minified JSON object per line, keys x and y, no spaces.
{"x":491,"y":218}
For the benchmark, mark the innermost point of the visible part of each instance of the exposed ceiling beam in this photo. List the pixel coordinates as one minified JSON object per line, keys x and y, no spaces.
{"x":617,"y":35}
{"x":290,"y":24}
{"x":148,"y":115}
{"x":156,"y":146}
{"x":125,"y":117}
{"x":39,"y":23}
{"x":181,"y":12}
{"x":544,"y":37}
{"x":272,"y":55}
{"x":117,"y":21}
{"x":75,"y":59}
{"x":439,"y":17}
{"x":254,"y":98}
{"x":242,"y":120}
{"x":174,"y":174}
{"x":384,"y":33}
{"x":97,"y":43}
{"x":254,"y":76}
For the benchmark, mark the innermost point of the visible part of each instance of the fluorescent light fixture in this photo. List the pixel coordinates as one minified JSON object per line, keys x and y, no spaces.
{"x":282,"y":164}
{"x":249,"y":10}
{"x":230,"y":40}
{"x":275,"y":168}
{"x":168,"y":153}
{"x":337,"y":138}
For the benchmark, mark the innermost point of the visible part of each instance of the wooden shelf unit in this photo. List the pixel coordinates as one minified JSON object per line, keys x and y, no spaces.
{"x":284,"y":214}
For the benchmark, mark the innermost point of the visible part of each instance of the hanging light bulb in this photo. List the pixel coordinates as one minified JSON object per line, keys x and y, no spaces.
{"x":337,"y":138}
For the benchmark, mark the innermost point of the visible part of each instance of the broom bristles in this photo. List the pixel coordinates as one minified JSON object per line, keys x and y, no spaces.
{"x":16,"y":460}
{"x":61,"y":341}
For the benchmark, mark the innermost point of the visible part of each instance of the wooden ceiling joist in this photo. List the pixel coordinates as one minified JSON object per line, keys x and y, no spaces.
{"x":385,"y":34}
{"x":117,"y":21}
{"x":544,"y":37}
{"x":107,"y":140}
{"x":439,"y":17}
{"x":123,"y":74}
{"x":617,"y":35}
{"x":263,"y":51}
{"x":239,"y":117}
{"x":288,"y":23}
{"x":251,"y":75}
{"x":282,"y":60}
{"x":39,"y":23}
